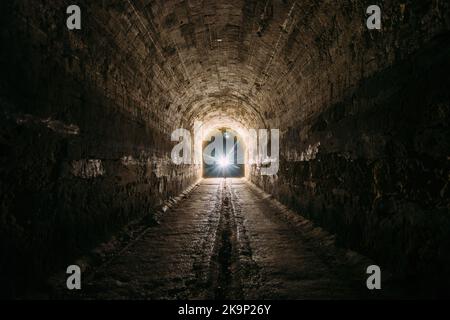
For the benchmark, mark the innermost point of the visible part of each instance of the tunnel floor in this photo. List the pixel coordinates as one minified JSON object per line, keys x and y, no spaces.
{"x":227,"y":240}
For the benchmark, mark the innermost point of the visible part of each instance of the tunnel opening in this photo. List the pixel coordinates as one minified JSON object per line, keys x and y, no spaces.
{"x":223,"y":154}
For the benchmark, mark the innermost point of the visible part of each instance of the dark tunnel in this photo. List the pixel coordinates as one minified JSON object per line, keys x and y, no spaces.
{"x":354,"y":173}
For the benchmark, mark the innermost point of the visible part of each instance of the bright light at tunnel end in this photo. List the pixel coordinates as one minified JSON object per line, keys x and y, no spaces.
{"x":255,"y":140}
{"x":224,"y":162}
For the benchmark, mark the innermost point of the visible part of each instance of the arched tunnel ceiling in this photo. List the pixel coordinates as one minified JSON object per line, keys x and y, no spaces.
{"x":255,"y":62}
{"x":87,"y":117}
{"x":222,"y":59}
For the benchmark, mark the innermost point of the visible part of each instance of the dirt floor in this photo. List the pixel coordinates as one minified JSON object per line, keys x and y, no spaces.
{"x":229,"y":240}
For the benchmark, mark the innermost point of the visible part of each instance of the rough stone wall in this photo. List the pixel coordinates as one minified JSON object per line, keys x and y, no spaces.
{"x":82,"y":150}
{"x":374,"y":167}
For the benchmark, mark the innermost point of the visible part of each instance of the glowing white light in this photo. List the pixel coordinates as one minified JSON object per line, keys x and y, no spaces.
{"x":224,"y":162}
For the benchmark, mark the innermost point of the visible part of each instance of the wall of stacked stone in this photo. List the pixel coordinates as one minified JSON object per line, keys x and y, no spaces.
{"x":83,"y":150}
